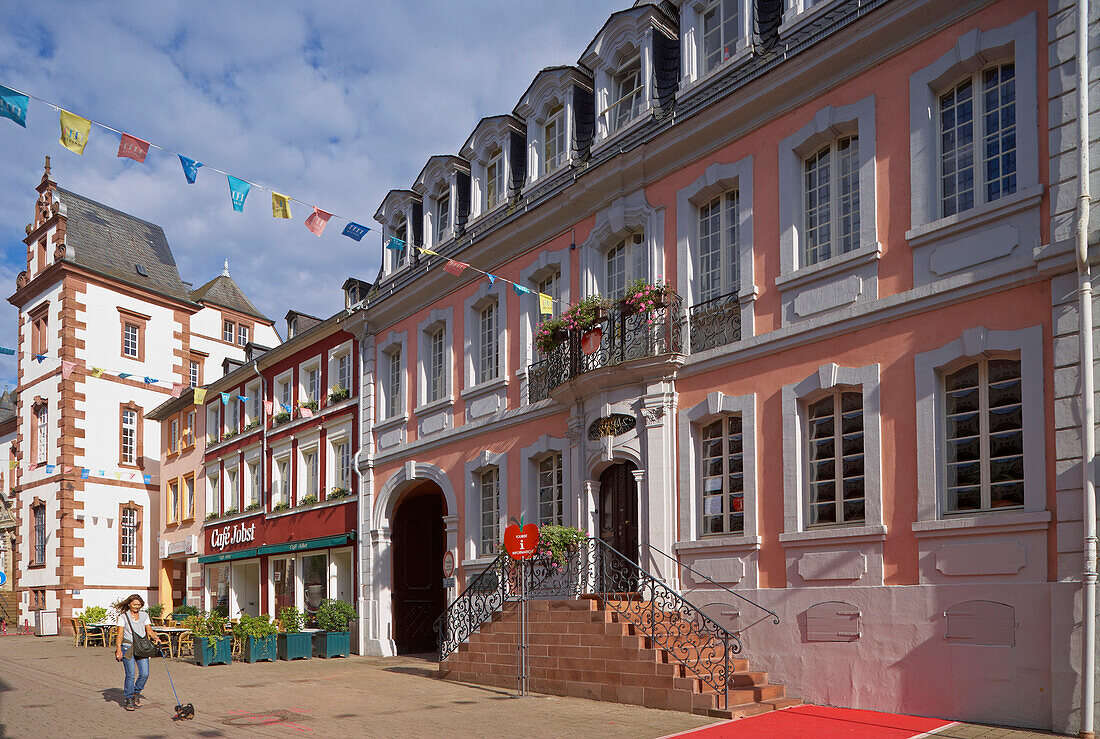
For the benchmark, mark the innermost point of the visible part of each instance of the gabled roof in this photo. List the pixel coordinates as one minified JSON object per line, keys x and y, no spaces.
{"x":120,"y":246}
{"x":224,"y":292}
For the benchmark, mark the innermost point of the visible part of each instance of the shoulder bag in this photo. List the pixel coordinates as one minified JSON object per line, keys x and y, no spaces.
{"x":143,"y":647}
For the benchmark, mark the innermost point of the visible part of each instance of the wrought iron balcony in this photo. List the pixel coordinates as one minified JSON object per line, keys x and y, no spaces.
{"x":715,"y":322}
{"x":620,"y":337}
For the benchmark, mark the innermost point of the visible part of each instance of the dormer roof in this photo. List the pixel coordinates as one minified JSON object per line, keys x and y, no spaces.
{"x":547,"y":83}
{"x":495,"y":130}
{"x":439,"y":167}
{"x":395,"y":202}
{"x":626,"y":25}
{"x":224,"y":292}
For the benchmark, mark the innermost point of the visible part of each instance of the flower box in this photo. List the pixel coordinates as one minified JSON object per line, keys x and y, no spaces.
{"x":295,"y":646}
{"x":217,"y":650}
{"x":259,"y":649}
{"x":332,"y":644}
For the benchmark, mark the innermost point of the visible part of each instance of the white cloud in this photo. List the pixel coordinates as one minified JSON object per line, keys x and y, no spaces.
{"x":334,"y":103}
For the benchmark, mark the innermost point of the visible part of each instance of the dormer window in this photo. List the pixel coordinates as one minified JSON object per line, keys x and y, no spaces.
{"x":443,"y":217}
{"x":627,"y":93}
{"x":721,"y":29}
{"x":554,"y":140}
{"x":401,"y":255}
{"x":494,"y":179}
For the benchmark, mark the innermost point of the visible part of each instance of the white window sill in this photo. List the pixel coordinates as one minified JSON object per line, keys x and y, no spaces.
{"x":719,"y":542}
{"x":792,"y":22}
{"x":981,"y":523}
{"x":832,"y":266}
{"x":978,"y":215}
{"x":478,"y":563}
{"x":485,"y":388}
{"x":435,"y":405}
{"x":391,"y":423}
{"x":320,"y":504}
{"x":609,"y":139}
{"x":833,"y":533}
{"x":689,"y":88}
{"x":239,"y":515}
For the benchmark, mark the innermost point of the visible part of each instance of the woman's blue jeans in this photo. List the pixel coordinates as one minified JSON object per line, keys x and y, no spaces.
{"x":133,"y":686}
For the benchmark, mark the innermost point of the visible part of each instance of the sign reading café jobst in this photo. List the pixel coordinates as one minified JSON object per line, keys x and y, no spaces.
{"x":236,"y":534}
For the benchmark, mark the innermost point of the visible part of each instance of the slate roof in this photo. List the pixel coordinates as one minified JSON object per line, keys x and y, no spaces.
{"x":224,"y":292}
{"x":114,"y":243}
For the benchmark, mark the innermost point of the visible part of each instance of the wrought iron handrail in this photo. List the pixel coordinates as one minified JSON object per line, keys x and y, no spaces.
{"x":483,"y":596}
{"x":692,"y":570}
{"x":715,"y":322}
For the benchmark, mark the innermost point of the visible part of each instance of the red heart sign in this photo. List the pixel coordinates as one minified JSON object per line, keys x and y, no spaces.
{"x":521,"y":543}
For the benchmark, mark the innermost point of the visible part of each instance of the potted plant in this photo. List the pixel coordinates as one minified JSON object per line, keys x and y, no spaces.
{"x":585,"y":314}
{"x":557,"y":543}
{"x":182,"y":613}
{"x":229,"y":435}
{"x":212,"y":514}
{"x":311,"y":404}
{"x":642,"y":297}
{"x":551,"y":333}
{"x":93,"y":615}
{"x":339,"y":393}
{"x":334,"y":639}
{"x":337,"y":493}
{"x":282,"y":506}
{"x":212,"y":645}
{"x":155,"y":611}
{"x":257,"y":637}
{"x":253,"y":506}
{"x":293,"y":642}
{"x":230,"y":511}
{"x":281,"y":417}
{"x":308,"y":500}
{"x":253,"y":424}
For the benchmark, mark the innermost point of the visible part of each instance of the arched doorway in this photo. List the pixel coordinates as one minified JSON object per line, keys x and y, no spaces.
{"x":419,"y":540}
{"x":618,"y":513}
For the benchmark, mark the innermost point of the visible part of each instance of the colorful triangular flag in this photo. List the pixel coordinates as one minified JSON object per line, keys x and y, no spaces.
{"x":355,"y":231}
{"x":200,"y":395}
{"x":520,"y":289}
{"x":317,"y":220}
{"x":150,"y":381}
{"x":13,"y":106}
{"x":280,"y":205}
{"x":242,"y":398}
{"x":190,"y":168}
{"x":67,"y":369}
{"x":148,"y":478}
{"x":238,"y":191}
{"x":546,"y":305}
{"x":492,"y":278}
{"x":395,"y":243}
{"x":74,"y":132}
{"x":49,"y":469}
{"x":84,"y":472}
{"x":96,"y":371}
{"x":123,"y":375}
{"x":39,"y":357}
{"x":177,"y":389}
{"x":306,"y":411}
{"x":132,"y":147}
{"x":455,"y":268}
{"x":225,"y":398}
{"x":5,"y":350}
{"x":267,"y":407}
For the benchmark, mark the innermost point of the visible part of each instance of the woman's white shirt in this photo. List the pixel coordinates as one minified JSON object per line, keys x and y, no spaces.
{"x":139,"y":623}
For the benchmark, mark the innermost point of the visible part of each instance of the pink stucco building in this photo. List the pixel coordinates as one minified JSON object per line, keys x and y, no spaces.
{"x":857,"y":410}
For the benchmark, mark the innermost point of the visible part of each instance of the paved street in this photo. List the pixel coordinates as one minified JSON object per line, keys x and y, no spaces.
{"x":50,"y":688}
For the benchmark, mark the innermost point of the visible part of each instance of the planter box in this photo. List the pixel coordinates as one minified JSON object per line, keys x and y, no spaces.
{"x":216,"y":650}
{"x":295,"y":646}
{"x":260,"y":649}
{"x":332,"y":644}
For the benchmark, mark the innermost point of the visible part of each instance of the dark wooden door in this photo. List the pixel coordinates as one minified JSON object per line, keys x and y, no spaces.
{"x":618,"y":517}
{"x":419,"y":538}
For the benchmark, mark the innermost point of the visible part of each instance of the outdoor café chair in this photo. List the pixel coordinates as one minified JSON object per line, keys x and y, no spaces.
{"x":93,"y":637}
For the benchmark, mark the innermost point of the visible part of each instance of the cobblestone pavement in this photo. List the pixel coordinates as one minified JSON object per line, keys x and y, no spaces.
{"x":50,"y":688}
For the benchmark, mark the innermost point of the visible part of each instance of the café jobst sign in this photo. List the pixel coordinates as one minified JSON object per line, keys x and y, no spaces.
{"x":229,"y":535}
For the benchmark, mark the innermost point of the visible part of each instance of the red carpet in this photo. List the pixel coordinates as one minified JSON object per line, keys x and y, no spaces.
{"x":821,"y":722}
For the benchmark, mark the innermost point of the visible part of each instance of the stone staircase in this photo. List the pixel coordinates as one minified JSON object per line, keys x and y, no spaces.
{"x":586,"y":648}
{"x":9,"y":606}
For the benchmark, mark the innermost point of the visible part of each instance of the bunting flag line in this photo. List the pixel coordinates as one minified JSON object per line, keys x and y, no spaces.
{"x":190,"y":168}
{"x":132,"y":147}
{"x":354,"y":231}
{"x":67,"y":369}
{"x":74,"y":132}
{"x":96,"y":372}
{"x":455,"y":268}
{"x":85,"y":472}
{"x":177,"y":389}
{"x":13,"y":106}
{"x":395,"y":243}
{"x":520,"y":289}
{"x":317,"y":220}
{"x":267,"y":407}
{"x":150,"y":381}
{"x":280,"y":206}
{"x":225,"y":398}
{"x":200,"y":396}
{"x":546,"y":305}
{"x":305,"y":411}
{"x":238,"y":191}
{"x":492,"y":278}
{"x":9,"y":352}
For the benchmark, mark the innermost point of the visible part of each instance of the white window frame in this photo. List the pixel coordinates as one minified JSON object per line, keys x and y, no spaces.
{"x":284,"y":391}
{"x":229,"y":329}
{"x":213,"y":492}
{"x":128,"y":437}
{"x":548,"y":262}
{"x":213,"y":422}
{"x":488,"y":344}
{"x":717,"y":405}
{"x":838,"y":501}
{"x":473,"y":307}
{"x":310,"y":386}
{"x":281,"y":491}
{"x":975,"y":49}
{"x":1026,"y":344}
{"x":474,"y":468}
{"x":42,"y":430}
{"x":254,"y":407}
{"x":393,"y":386}
{"x":831,"y":212}
{"x":612,"y":115}
{"x":444,"y":222}
{"x":496,"y":159}
{"x":131,"y":340}
{"x":556,"y":118}
{"x":193,"y":372}
{"x":436,"y":320}
{"x":232,"y":488}
{"x":128,"y":530}
{"x":693,"y":42}
{"x":543,"y":447}
{"x":189,"y":497}
{"x":254,"y":481}
{"x":625,"y":216}
{"x":309,"y":473}
{"x":796,"y":398}
{"x":242,"y":334}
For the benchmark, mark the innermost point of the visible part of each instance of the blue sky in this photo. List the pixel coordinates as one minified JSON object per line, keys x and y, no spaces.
{"x":334,"y":103}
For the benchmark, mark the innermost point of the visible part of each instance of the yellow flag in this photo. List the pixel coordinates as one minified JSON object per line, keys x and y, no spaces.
{"x":96,"y":371}
{"x":74,"y":132}
{"x":200,"y":396}
{"x":428,"y":251}
{"x":280,"y":205}
{"x":13,"y":463}
{"x":546,"y":305}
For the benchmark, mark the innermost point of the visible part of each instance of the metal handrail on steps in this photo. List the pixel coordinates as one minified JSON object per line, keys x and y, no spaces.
{"x":692,"y":570}
{"x":594,"y":568}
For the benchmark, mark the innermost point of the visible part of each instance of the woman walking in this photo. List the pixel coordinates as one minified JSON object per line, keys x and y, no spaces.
{"x":132,"y":620}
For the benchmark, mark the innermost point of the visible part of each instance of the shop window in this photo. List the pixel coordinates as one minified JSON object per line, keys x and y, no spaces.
{"x":314,"y":581}
{"x":282,"y":576}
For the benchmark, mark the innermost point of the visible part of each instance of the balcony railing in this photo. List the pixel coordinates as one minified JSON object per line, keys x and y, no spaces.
{"x":621,"y":337}
{"x":715,"y":322}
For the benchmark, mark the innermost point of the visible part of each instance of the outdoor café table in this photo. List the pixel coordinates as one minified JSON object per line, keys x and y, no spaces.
{"x":103,"y":626}
{"x":174,"y":633}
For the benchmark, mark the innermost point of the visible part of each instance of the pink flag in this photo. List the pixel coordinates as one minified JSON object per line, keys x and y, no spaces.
{"x":67,"y":368}
{"x":66,"y":470}
{"x":32,"y":466}
{"x":132,"y":475}
{"x":267,"y":407}
{"x":133,"y":147}
{"x":177,"y":389}
{"x":306,"y":412}
{"x":317,"y":220}
{"x":455,"y":268}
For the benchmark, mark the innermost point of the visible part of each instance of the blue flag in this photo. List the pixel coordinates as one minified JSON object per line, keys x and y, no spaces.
{"x":49,"y":469}
{"x":520,"y":289}
{"x":492,"y":278}
{"x":395,"y":244}
{"x":84,"y":473}
{"x":13,"y":106}
{"x":150,"y":380}
{"x":148,"y":478}
{"x":5,"y":350}
{"x":242,"y":398}
{"x":286,"y":407}
{"x":39,"y":357}
{"x":238,"y":190}
{"x":123,"y":375}
{"x":190,"y":168}
{"x":355,"y":231}
{"x":225,"y":398}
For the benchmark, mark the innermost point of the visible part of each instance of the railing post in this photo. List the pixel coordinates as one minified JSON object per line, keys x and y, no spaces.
{"x":726,"y":681}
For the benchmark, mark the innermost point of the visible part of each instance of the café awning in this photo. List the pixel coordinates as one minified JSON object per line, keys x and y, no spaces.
{"x":322,"y":542}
